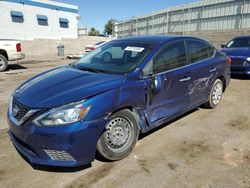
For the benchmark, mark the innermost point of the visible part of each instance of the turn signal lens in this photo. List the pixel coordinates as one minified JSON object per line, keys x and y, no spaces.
{"x":229,"y":60}
{"x":83,"y":112}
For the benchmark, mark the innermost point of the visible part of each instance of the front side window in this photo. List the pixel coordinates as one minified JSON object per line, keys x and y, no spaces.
{"x":118,"y":57}
{"x":243,"y":42}
{"x":172,"y":57}
{"x":198,"y":51}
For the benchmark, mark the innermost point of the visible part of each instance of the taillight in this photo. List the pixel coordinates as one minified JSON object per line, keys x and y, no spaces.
{"x":92,"y":49}
{"x":229,"y":60}
{"x":18,"y":47}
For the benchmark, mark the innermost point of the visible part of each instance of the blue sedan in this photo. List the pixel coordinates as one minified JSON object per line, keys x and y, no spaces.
{"x":238,"y":50}
{"x":101,"y":103}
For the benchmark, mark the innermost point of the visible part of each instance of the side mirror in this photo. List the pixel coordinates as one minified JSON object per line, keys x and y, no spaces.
{"x":156,"y":84}
{"x":223,"y":46}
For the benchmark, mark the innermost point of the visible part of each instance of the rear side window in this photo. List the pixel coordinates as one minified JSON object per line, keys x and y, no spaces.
{"x":171,"y":57}
{"x":198,"y":51}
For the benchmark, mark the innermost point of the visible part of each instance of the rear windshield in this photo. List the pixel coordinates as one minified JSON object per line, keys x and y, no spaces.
{"x":243,"y":42}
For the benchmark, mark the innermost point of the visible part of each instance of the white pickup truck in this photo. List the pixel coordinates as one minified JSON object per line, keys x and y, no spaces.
{"x":10,"y":50}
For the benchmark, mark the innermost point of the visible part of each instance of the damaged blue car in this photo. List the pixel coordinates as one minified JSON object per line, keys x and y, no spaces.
{"x":101,"y":103}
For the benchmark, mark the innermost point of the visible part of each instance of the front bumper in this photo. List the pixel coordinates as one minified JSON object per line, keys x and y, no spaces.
{"x":67,"y":146}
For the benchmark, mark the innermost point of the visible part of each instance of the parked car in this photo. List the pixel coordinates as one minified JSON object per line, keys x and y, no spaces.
{"x":238,"y":50}
{"x":102,"y":102}
{"x":90,"y":48}
{"x":10,"y":50}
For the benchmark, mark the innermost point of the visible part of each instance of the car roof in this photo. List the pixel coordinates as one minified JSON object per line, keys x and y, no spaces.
{"x":156,"y":38}
{"x":246,"y":36}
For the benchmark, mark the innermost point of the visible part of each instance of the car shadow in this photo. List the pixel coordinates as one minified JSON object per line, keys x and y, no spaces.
{"x":143,"y":135}
{"x":240,"y":77}
{"x":15,"y":67}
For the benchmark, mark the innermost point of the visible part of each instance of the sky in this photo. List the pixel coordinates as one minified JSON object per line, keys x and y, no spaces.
{"x":96,"y":13}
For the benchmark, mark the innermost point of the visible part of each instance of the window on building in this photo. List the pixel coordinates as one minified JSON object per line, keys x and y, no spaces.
{"x":64,"y":22}
{"x":17,"y":16}
{"x":42,"y":20}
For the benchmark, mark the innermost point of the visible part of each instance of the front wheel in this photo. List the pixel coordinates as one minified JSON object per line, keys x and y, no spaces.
{"x":215,"y":94}
{"x":120,"y":136}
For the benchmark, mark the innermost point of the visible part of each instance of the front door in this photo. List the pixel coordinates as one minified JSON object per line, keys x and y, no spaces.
{"x":171,"y":79}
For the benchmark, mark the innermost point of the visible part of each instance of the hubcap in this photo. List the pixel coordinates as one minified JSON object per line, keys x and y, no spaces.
{"x":118,"y":133}
{"x":217,"y":93}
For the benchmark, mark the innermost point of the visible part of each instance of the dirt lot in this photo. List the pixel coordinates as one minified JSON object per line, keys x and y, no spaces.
{"x":205,"y":148}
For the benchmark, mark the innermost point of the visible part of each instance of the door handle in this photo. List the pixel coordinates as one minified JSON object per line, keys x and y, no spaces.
{"x":185,"y":79}
{"x":213,"y":70}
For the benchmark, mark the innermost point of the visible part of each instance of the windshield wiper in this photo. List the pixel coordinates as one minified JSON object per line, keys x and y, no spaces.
{"x":92,"y":70}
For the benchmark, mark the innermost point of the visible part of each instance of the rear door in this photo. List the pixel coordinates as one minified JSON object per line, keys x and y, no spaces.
{"x":173,"y":77}
{"x":203,"y":67}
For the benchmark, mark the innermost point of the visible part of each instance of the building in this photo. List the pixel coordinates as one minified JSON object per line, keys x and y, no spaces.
{"x":206,"y":15}
{"x":37,"y":19}
{"x":82,"y":31}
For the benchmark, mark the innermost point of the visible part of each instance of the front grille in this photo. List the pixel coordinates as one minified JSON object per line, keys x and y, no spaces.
{"x":238,"y":69}
{"x":238,"y":62}
{"x":18,"y":110}
{"x":59,"y":155}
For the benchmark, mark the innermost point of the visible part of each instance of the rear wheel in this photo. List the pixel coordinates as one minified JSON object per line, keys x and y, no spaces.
{"x":120,"y":136}
{"x":3,"y":63}
{"x":215,"y":94}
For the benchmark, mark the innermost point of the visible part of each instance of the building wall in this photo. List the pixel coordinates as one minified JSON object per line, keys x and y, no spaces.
{"x":220,"y":37}
{"x":29,"y":29}
{"x":200,"y":16}
{"x":46,"y":49}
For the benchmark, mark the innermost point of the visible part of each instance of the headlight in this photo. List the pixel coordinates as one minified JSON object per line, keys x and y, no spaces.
{"x":248,"y":59}
{"x":63,"y":115}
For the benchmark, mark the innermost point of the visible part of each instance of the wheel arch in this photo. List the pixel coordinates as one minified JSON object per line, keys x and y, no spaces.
{"x":133,"y":110}
{"x":4,"y":53}
{"x":222,"y":78}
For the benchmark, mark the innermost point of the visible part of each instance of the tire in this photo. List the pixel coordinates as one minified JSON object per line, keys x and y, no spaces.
{"x":120,"y":136}
{"x":215,"y":94}
{"x":3,"y":63}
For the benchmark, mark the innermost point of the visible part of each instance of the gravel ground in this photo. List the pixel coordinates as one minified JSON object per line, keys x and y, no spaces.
{"x":204,"y":148}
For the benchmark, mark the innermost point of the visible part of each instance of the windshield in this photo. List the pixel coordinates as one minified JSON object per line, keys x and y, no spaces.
{"x":118,"y":57}
{"x":239,"y":43}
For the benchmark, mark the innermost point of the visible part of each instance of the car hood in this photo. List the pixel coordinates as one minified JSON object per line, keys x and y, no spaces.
{"x":64,"y":85}
{"x":237,"y":52}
